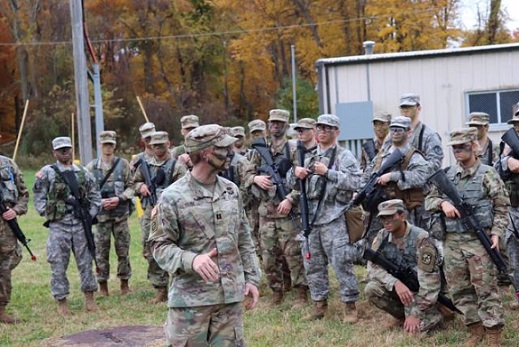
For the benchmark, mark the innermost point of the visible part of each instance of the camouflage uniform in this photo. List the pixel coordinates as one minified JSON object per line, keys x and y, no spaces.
{"x":192,"y":219}
{"x":146,"y":130}
{"x":237,"y":173}
{"x":377,"y":144}
{"x":66,"y":231}
{"x":15,"y":196}
{"x":415,"y":250}
{"x":173,"y":171}
{"x":489,"y":153}
{"x":119,"y":184}
{"x":470,"y":272}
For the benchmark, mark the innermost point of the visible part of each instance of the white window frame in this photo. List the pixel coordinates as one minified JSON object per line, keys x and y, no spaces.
{"x":493,"y":126}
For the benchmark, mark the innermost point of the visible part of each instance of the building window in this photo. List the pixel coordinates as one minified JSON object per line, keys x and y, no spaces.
{"x":498,"y":104}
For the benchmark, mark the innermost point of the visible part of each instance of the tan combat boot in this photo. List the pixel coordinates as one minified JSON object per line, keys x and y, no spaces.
{"x":321,"y":307}
{"x":301,"y":297}
{"x":276,"y":300}
{"x":5,"y":318}
{"x":103,"y":288}
{"x":161,"y":295}
{"x":125,"y":289}
{"x":477,"y":332}
{"x":63,"y":307}
{"x":350,"y":314}
{"x":90,"y":303}
{"x":494,"y":336}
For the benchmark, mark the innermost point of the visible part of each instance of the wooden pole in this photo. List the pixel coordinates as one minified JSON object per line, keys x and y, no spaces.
{"x":142,"y":109}
{"x":72,"y":132}
{"x":21,"y":129}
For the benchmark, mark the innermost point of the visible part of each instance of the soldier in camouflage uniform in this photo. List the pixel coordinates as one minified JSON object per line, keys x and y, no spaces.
{"x":332,"y":174}
{"x":116,"y":196}
{"x":187,"y":124}
{"x":405,"y":245}
{"x":146,"y":130}
{"x":237,"y":171}
{"x":54,"y":200}
{"x":15,"y":196}
{"x":487,"y":153}
{"x":277,"y":231}
{"x":164,"y":171}
{"x":200,"y":235}
{"x":470,"y":272}
{"x":371,"y":147}
{"x":239,"y":146}
{"x":305,"y":129}
{"x":508,"y":166}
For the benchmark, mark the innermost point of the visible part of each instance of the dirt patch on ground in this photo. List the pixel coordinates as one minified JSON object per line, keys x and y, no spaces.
{"x":127,"y":336}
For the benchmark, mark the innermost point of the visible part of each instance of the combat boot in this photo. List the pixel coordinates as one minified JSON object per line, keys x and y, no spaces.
{"x":477,"y":332}
{"x":161,"y":295}
{"x":321,"y":307}
{"x":276,"y":300}
{"x":63,"y":307}
{"x":301,"y":297}
{"x":125,"y":289}
{"x":350,"y":314}
{"x":494,"y":336}
{"x":90,"y":303}
{"x":103,"y":288}
{"x":5,"y":318}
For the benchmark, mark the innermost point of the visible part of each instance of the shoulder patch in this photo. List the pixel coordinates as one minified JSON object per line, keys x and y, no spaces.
{"x":438,"y":150}
{"x":427,"y":255}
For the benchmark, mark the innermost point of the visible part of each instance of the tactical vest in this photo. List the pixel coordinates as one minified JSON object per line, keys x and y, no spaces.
{"x":8,"y":183}
{"x":59,"y":193}
{"x":405,"y":257}
{"x":473,"y":194}
{"x":114,"y":186}
{"x":283,"y":163}
{"x":412,"y":197}
{"x":232,"y":173}
{"x":168,"y":167}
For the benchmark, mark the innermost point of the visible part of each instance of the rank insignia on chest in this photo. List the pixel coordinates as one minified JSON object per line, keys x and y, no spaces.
{"x":426,"y":259}
{"x":218,"y":216}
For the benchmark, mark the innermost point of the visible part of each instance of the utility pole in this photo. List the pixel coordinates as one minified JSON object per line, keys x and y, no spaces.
{"x":294,"y":92}
{"x":81,"y":83}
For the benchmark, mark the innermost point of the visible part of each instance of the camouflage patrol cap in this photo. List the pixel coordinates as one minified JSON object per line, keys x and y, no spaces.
{"x":400,"y":122}
{"x":107,"y":136}
{"x":461,"y":136}
{"x":61,"y":142}
{"x":238,"y":131}
{"x":409,"y":99}
{"x":279,"y":115}
{"x":147,"y":129}
{"x":382,"y":117}
{"x":390,"y":207}
{"x":159,"y":138}
{"x":328,"y":119}
{"x":189,"y":121}
{"x":478,"y":118}
{"x":208,"y":135}
{"x":257,"y":125}
{"x":305,"y":123}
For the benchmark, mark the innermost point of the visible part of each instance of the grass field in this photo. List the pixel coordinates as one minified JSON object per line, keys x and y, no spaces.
{"x":33,"y":304}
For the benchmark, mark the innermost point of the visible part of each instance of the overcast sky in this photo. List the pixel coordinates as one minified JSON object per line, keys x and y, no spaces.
{"x":469,"y":10}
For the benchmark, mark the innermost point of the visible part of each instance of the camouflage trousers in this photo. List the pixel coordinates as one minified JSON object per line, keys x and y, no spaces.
{"x":65,"y":238}
{"x":215,"y":325}
{"x":10,"y":257}
{"x":277,"y":243}
{"x":253,"y":216}
{"x":158,"y":277}
{"x":388,"y":301}
{"x":512,"y":246}
{"x":471,"y":277}
{"x":329,"y":243}
{"x":121,"y":232}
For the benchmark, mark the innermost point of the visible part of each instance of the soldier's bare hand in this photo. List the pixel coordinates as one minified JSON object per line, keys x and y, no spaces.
{"x":185,"y":159}
{"x":495,"y":242}
{"x":301,"y":172}
{"x":9,"y":214}
{"x":263,"y":182}
{"x":412,"y":324}
{"x":144,"y":190}
{"x":284,"y":207}
{"x":320,"y":168}
{"x":449,"y":210}
{"x":384,"y":179}
{"x":206,"y":267}
{"x":405,"y":295}
{"x":513,"y":165}
{"x":252,"y":292}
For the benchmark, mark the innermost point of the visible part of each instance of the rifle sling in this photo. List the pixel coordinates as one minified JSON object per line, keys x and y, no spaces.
{"x":323,"y":188}
{"x":109,"y":173}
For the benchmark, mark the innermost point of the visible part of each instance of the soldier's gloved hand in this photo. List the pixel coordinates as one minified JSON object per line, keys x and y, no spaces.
{"x":412,"y":324}
{"x":301,"y":172}
{"x":285,"y":206}
{"x":144,"y":190}
{"x":449,"y":210}
{"x":252,"y":292}
{"x":263,"y":182}
{"x":9,"y":214}
{"x":206,"y":267}
{"x":405,"y":295}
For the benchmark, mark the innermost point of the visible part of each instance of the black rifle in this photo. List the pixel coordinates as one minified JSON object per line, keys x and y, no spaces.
{"x":369,"y":147}
{"x":80,"y":210}
{"x":469,"y":221}
{"x":404,"y":274}
{"x":369,"y":191}
{"x":512,"y":140}
{"x":15,"y":228}
{"x":149,"y":181}
{"x":303,"y":201}
{"x":273,"y":171}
